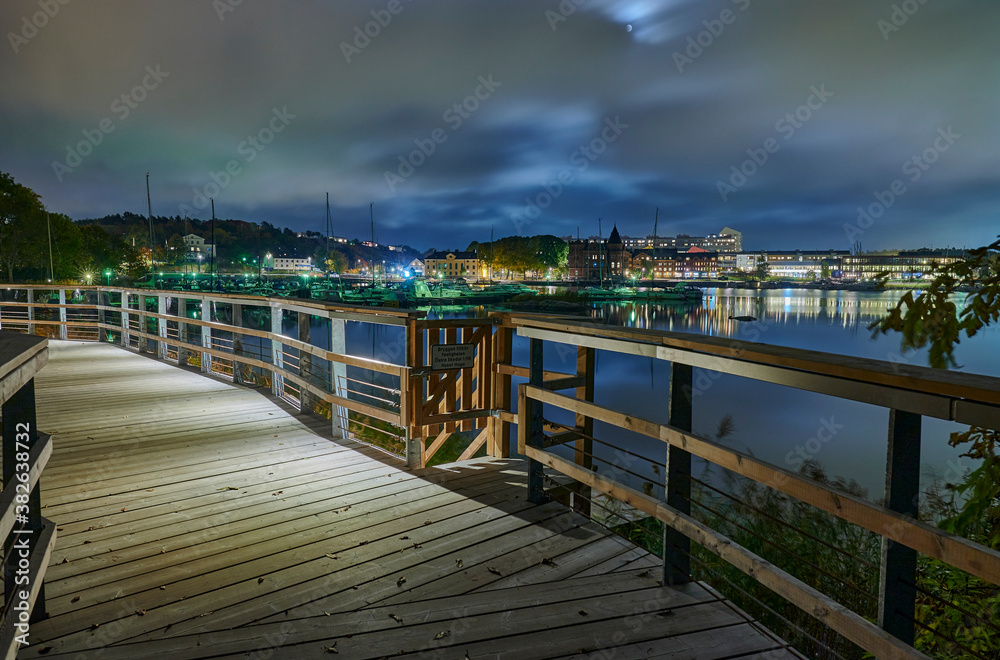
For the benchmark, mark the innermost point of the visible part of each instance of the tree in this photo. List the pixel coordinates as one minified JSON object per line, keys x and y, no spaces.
{"x":21,"y":214}
{"x":824,"y":270}
{"x":336,"y":262}
{"x":762,"y":270}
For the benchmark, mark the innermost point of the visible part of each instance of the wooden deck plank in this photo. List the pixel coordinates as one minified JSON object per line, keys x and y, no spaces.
{"x":202,"y":519}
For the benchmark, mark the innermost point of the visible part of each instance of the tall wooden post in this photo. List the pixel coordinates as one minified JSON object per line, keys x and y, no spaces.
{"x":898,"y":569}
{"x":584,"y":446}
{"x":206,"y":336}
{"x":277,"y":386}
{"x":237,"y":344}
{"x":502,"y":354}
{"x":31,"y":311}
{"x":338,"y":375}
{"x":161,"y":326}
{"x":182,"y":332}
{"x":676,"y":546}
{"x":306,"y":403}
{"x":411,"y":396}
{"x":126,"y":342}
{"x":535,"y":435}
{"x":62,"y":314}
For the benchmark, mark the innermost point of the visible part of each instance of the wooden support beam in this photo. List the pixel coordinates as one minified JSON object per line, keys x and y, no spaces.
{"x":898,"y":569}
{"x":534,"y":433}
{"x":677,"y":546}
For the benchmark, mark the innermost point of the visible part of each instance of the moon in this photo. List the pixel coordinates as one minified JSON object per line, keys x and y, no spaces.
{"x":628,"y":28}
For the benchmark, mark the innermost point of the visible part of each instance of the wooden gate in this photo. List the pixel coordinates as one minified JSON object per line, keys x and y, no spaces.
{"x":452,"y":392}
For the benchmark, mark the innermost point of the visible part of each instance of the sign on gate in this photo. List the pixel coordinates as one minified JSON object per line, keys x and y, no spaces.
{"x":453,"y":356}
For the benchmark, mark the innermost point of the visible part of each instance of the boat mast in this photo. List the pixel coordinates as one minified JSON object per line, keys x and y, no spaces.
{"x":656,"y":220}
{"x":329,"y":226}
{"x":600,"y":252}
{"x":48,"y":223}
{"x":371,"y":214}
{"x":149,"y":213}
{"x":213,"y":244}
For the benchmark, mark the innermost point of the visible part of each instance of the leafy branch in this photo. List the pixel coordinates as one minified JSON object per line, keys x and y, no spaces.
{"x":932,"y":317}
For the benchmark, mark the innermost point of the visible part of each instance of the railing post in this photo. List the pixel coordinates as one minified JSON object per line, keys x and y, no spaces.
{"x":502,"y":355}
{"x":898,"y":570}
{"x":31,"y":311}
{"x":305,"y":362}
{"x":161,"y":326}
{"x":676,"y":546}
{"x":584,"y":446}
{"x":18,"y":410}
{"x":126,"y":343}
{"x":409,"y":391}
{"x":206,"y":336}
{"x":277,"y":388}
{"x":182,"y":331}
{"x":535,"y":435}
{"x":338,"y":372}
{"x":237,"y":344}
{"x":62,"y":314}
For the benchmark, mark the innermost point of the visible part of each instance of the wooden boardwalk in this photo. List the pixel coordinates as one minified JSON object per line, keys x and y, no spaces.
{"x":198,"y":519}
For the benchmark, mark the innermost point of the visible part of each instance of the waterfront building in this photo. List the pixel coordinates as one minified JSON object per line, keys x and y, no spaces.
{"x":292,"y":264}
{"x":453,"y":263}
{"x":195,"y":246}
{"x":901,"y":265}
{"x":667,"y":263}
{"x":727,"y":240}
{"x":593,"y":258}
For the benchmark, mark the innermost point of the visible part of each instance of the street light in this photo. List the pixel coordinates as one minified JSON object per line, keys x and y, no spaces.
{"x":107,"y":274}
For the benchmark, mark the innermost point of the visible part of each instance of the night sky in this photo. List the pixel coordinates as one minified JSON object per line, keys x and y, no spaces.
{"x":527,"y":117}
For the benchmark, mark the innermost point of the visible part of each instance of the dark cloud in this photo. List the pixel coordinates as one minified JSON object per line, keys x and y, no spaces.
{"x":898,"y":73}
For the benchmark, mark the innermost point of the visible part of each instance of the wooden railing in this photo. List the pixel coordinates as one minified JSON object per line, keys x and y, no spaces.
{"x":425,"y":414}
{"x":908,"y":392}
{"x":28,"y":538}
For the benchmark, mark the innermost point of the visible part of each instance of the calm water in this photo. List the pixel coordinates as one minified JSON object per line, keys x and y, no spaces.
{"x":774,"y":423}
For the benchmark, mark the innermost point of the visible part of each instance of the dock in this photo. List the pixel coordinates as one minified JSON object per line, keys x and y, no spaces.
{"x":202,"y":519}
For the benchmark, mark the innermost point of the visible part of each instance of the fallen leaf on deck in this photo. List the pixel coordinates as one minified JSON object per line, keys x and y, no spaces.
{"x":398,"y":619}
{"x":403,"y":538}
{"x":260,"y":580}
{"x":75,"y":599}
{"x":327,"y":613}
{"x":332,"y":556}
{"x":400,"y":581}
{"x":95,"y":626}
{"x":493,"y":571}
{"x":548,"y":562}
{"x":228,"y":488}
{"x":140,"y":612}
{"x":163,"y":588}
{"x":64,"y":561}
{"x":44,"y":650}
{"x":458,"y":563}
{"x":332,"y":649}
{"x":442,"y":635}
{"x":86,"y":542}
{"x":583,"y":612}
